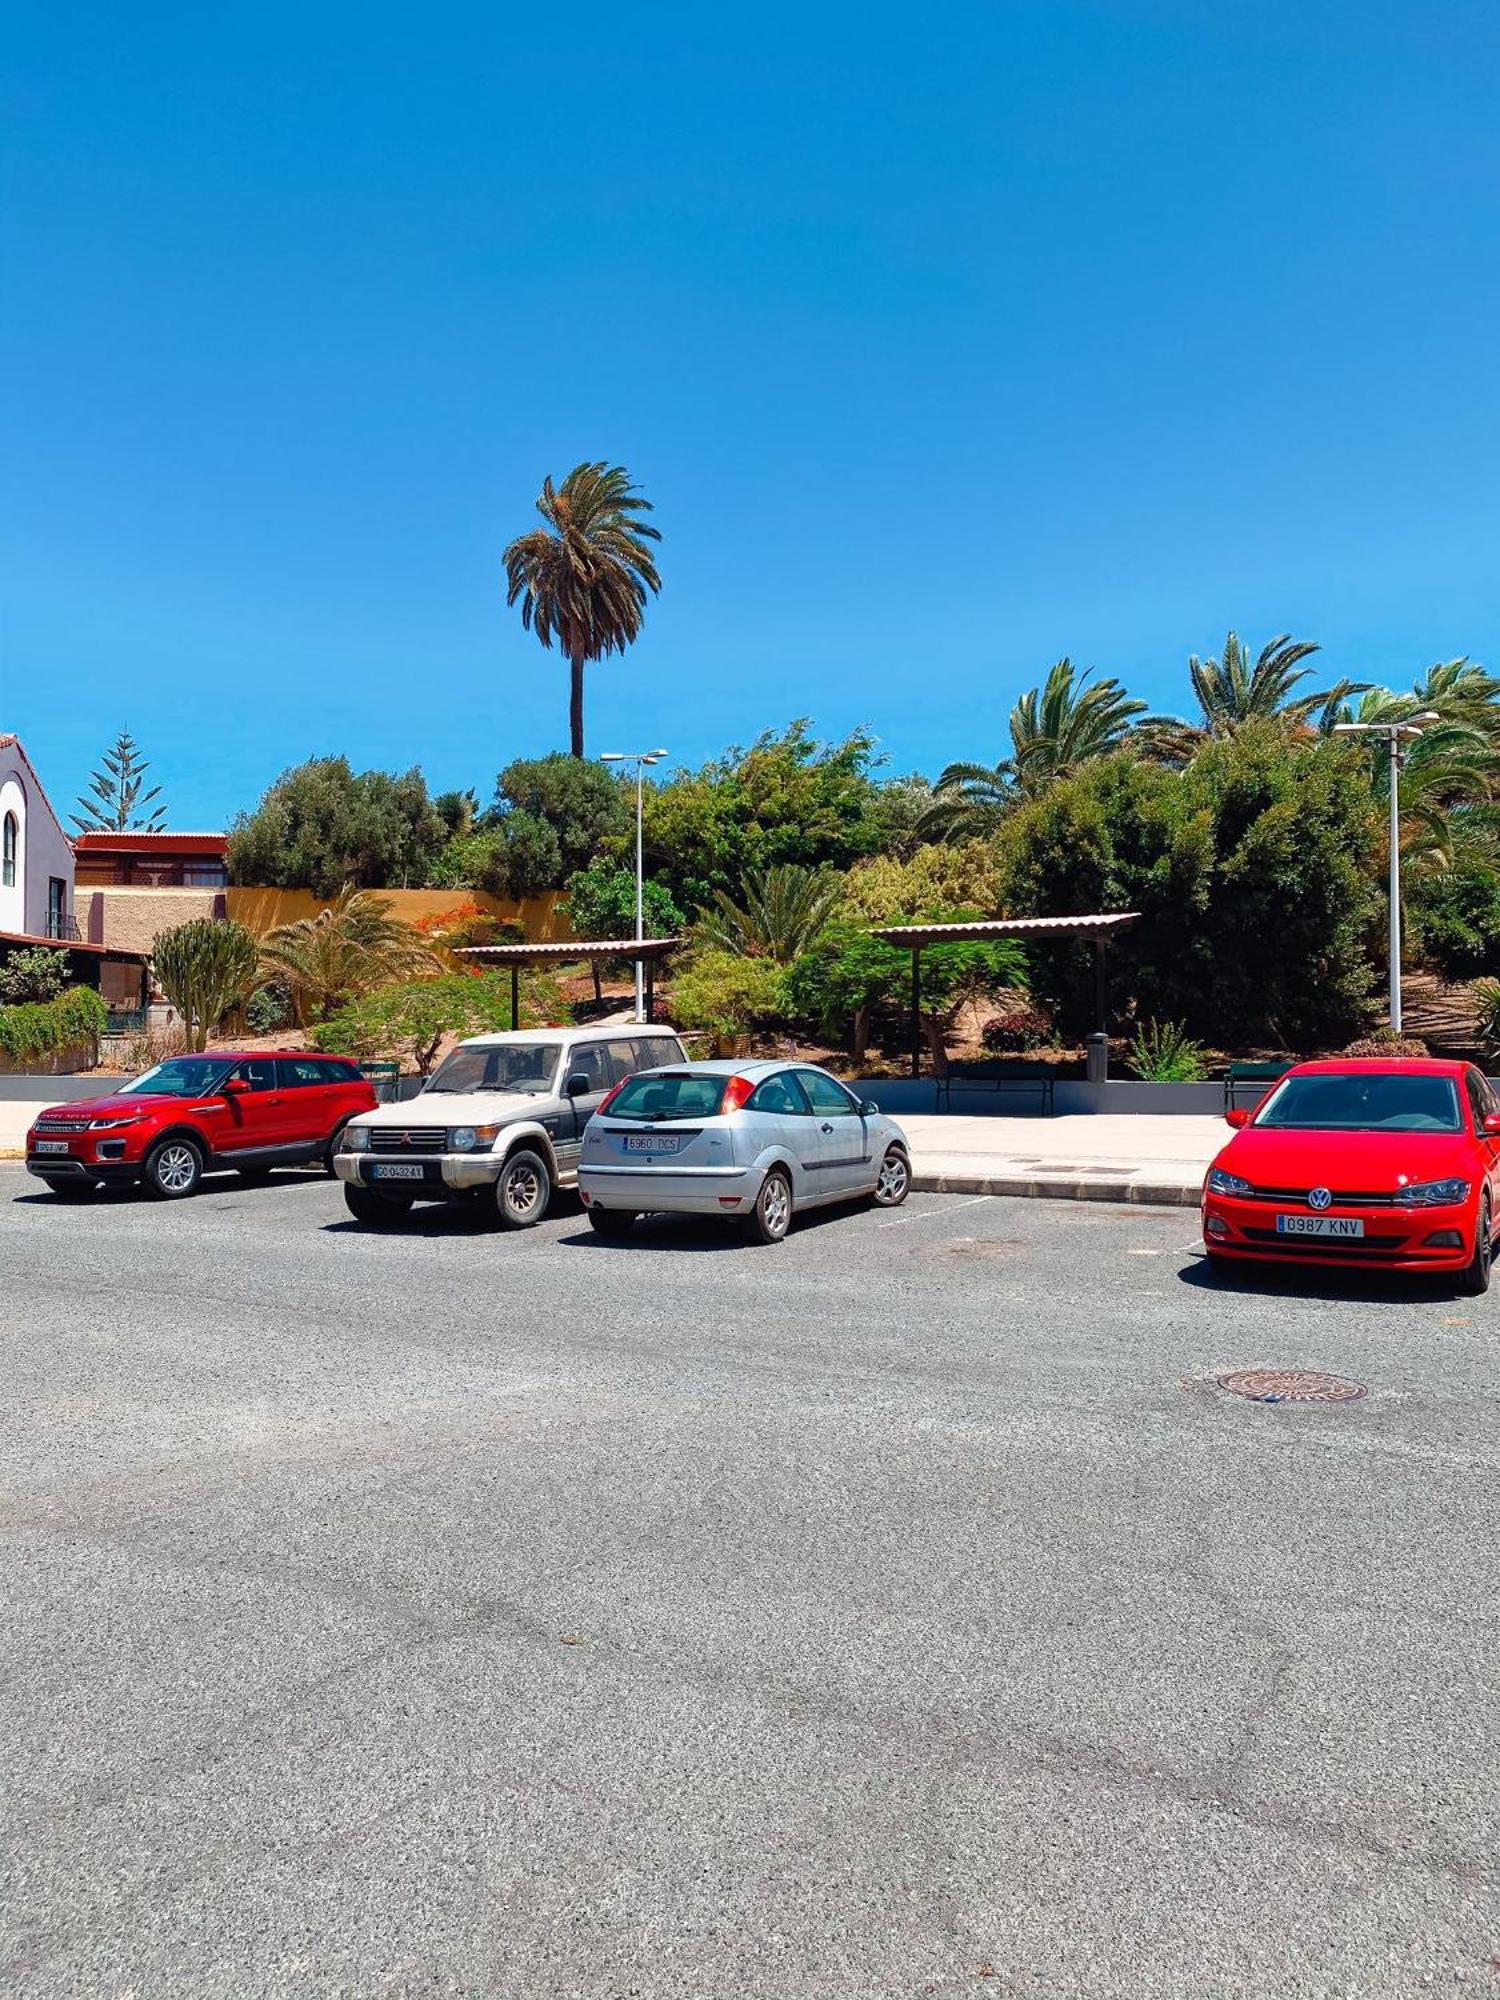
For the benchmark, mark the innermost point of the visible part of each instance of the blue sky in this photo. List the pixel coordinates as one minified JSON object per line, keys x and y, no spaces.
{"x":945,"y":344}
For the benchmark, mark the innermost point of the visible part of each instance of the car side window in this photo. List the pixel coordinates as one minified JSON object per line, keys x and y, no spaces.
{"x":653,"y":1052}
{"x":828,"y":1099}
{"x":782,"y":1094}
{"x":259,"y":1075}
{"x":337,"y":1072}
{"x":301,"y":1073}
{"x":588,"y":1059}
{"x":1480,"y":1100}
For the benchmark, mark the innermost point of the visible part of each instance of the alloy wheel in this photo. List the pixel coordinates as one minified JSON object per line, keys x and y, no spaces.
{"x":776,"y":1205}
{"x":176,"y":1169}
{"x":895,"y":1180}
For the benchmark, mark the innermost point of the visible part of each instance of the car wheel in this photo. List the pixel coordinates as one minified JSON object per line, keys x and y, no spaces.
{"x":173,"y":1169}
{"x":378,"y":1211}
{"x":894,"y":1184}
{"x":523,"y":1190}
{"x":771,"y":1217}
{"x":1476,"y":1278}
{"x":333,"y":1146}
{"x":612,"y":1221}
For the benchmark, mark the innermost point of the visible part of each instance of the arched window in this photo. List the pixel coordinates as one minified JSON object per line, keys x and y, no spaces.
{"x":8,"y":859}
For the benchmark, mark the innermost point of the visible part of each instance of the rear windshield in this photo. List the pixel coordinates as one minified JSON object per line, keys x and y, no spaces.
{"x":1363,"y":1104}
{"x":671,"y":1095}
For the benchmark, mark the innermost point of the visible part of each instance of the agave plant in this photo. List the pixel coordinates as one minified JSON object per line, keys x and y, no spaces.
{"x":347,"y":949}
{"x":1164,"y":1052}
{"x":783,"y":910}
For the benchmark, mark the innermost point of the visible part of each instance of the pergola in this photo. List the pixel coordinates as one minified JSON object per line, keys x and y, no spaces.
{"x":650,"y":951}
{"x":916,"y":937}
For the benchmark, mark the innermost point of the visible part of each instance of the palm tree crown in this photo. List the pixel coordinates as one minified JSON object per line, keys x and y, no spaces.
{"x":585,"y":576}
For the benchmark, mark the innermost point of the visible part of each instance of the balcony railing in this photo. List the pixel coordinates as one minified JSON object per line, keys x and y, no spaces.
{"x":63,"y":927}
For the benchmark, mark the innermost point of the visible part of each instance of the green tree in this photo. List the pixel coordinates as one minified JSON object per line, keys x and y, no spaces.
{"x":322,"y":825}
{"x":346,"y":950}
{"x":780,"y":912}
{"x":205,"y":967}
{"x":408,"y":1021}
{"x":726,"y":996}
{"x":587,"y":574}
{"x":786,"y":799}
{"x":601,"y":904}
{"x":117,"y":800}
{"x":1453,"y":917}
{"x":583,"y":805}
{"x":847,"y":978}
{"x":1252,"y":868}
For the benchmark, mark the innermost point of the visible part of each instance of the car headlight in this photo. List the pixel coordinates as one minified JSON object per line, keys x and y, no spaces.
{"x":356,"y":1138}
{"x":471,"y":1138}
{"x":1434,"y":1194}
{"x":111,"y":1124}
{"x":1221,"y":1183}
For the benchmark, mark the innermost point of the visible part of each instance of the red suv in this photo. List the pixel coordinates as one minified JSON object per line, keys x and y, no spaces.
{"x":193,"y":1115}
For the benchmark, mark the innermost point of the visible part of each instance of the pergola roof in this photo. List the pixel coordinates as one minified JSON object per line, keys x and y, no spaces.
{"x":544,"y":954}
{"x":914,"y":936}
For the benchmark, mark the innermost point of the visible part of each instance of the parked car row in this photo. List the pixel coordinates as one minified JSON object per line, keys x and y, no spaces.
{"x":505,"y":1121}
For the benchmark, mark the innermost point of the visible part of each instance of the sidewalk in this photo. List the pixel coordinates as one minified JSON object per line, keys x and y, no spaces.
{"x":1103,"y":1158}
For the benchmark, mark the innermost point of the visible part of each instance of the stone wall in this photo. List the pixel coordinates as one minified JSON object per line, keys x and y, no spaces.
{"x":131,"y":919}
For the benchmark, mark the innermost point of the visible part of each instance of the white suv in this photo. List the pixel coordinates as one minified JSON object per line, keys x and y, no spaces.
{"x":501,"y":1120}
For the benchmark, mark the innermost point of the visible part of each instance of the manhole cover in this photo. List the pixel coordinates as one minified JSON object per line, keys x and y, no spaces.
{"x":1290,"y":1385}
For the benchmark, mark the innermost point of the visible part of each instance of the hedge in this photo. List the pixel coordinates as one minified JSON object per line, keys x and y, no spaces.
{"x":38,"y":1029}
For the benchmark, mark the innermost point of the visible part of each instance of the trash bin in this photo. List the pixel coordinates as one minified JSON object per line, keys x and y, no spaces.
{"x":1098,"y":1058}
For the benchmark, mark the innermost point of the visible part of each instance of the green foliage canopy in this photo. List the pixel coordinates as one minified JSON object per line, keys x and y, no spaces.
{"x":38,"y":1029}
{"x":408,"y":1021}
{"x":322,"y":824}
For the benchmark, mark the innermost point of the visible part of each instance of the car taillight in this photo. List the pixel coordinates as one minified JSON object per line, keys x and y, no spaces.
{"x":609,"y":1097}
{"x":737,"y":1094}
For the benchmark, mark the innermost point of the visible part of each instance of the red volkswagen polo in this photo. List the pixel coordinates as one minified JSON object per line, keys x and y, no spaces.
{"x":1393,"y":1163}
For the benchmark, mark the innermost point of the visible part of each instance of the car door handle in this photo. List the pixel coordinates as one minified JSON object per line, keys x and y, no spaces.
{"x":825,"y":1128}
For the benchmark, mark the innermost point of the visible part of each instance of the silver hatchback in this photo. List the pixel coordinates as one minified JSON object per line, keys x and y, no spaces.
{"x":758,"y":1140}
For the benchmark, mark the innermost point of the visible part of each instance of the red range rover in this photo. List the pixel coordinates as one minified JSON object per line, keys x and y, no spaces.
{"x":195,"y":1115}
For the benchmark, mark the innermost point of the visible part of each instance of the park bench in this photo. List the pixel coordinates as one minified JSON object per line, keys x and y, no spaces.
{"x":1254,"y":1077}
{"x":1030,"y":1078}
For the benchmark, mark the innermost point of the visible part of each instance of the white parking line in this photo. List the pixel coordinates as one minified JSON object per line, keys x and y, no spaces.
{"x":922,"y":1214}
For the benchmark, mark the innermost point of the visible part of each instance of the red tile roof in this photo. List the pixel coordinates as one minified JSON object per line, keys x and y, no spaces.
{"x":151,"y":843}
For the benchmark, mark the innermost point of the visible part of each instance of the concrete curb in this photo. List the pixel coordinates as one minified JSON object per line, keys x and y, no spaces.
{"x":1066,"y":1187}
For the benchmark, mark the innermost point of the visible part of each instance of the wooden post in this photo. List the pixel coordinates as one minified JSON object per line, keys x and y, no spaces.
{"x":515,"y":994}
{"x":916,"y":1010}
{"x":1100,"y":1007}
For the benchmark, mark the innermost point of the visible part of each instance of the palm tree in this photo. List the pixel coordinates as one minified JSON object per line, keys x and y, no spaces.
{"x":585,"y":576}
{"x":1053,"y":729}
{"x":1233,"y":690}
{"x":784,"y":910}
{"x":345,"y":950}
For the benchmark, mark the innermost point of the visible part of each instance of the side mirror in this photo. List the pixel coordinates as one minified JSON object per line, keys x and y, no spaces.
{"x":869,"y":1109}
{"x":578,"y":1085}
{"x":1492,"y":1124}
{"x":1237,"y":1118}
{"x":235,"y":1086}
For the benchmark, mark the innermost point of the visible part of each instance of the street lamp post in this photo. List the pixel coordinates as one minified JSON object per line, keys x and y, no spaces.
{"x":1393,"y":732}
{"x":640,"y":759}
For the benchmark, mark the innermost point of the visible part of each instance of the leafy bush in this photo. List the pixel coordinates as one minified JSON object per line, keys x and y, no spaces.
{"x":1022,"y":1026}
{"x":1384,"y":1043}
{"x":846,"y":976}
{"x":204,"y":967}
{"x":1487,"y":995}
{"x":1163,"y":1052}
{"x":407,"y":1022}
{"x":35,"y":1030}
{"x":580,"y":805}
{"x":887,"y":891}
{"x":601,"y":904}
{"x":1455,"y":920}
{"x":726,"y":995}
{"x":37,"y":973}
{"x":780,"y":913}
{"x":269,"y":1008}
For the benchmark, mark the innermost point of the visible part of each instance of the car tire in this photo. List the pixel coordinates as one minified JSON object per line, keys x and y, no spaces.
{"x":611,"y":1221}
{"x":376,"y":1211}
{"x":330,"y":1149}
{"x":523,"y":1190}
{"x":173,"y":1170}
{"x":894,"y":1183}
{"x":1476,"y":1279}
{"x":771,"y":1217}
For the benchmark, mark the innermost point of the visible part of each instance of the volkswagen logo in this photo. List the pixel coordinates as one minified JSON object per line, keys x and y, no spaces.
{"x":1319,"y":1198}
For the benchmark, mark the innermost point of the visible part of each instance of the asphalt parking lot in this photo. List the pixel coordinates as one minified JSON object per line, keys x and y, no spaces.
{"x":901,"y":1611}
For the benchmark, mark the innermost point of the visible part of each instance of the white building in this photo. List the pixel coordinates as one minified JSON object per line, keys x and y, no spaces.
{"x":36,"y":858}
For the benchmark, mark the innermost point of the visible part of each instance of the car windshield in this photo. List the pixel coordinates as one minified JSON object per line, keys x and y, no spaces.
{"x":183,"y":1076}
{"x":527,"y":1067}
{"x":669,"y":1094}
{"x":1384,"y":1103}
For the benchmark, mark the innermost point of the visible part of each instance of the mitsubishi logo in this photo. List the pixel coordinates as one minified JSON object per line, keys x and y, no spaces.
{"x":1319,"y":1198}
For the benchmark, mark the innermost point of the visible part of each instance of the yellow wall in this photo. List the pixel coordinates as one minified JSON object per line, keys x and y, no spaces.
{"x":541,"y":917}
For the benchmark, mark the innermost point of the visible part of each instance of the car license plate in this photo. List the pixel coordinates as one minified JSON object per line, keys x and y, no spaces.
{"x":1319,"y":1225}
{"x":51,"y":1145}
{"x":397,"y":1170}
{"x":652,"y":1142}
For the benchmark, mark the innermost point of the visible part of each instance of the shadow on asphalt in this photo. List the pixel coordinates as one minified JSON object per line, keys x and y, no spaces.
{"x":1317,"y":1282}
{"x":703,"y":1232}
{"x":131,"y":1193}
